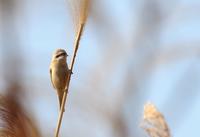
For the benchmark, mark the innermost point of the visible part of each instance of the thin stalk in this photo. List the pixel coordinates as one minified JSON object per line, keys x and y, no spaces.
{"x":76,"y":46}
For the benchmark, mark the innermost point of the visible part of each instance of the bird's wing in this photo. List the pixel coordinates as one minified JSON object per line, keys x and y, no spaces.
{"x":50,"y":70}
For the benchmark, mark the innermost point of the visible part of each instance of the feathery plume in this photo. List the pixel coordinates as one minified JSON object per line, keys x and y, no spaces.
{"x":13,"y":120}
{"x":154,"y":122}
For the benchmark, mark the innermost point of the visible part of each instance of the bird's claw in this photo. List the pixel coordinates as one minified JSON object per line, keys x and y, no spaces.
{"x":71,"y":72}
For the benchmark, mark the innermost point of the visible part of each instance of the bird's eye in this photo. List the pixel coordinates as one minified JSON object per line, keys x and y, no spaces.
{"x":61,"y":54}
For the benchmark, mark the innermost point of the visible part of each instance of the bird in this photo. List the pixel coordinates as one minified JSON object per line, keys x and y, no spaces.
{"x":59,"y":72}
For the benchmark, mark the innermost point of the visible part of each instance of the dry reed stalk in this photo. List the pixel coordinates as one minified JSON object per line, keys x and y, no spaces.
{"x":154,"y":122}
{"x":83,"y":13}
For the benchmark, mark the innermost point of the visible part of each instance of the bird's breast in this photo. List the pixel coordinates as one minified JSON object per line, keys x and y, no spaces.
{"x":59,"y":76}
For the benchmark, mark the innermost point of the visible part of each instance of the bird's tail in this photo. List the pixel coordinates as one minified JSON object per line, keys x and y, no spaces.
{"x":60,"y":97}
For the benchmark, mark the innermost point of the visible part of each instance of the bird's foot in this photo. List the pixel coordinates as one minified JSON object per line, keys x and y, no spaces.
{"x":71,"y":72}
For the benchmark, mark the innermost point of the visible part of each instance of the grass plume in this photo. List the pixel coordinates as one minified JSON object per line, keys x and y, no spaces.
{"x":154,"y":122}
{"x":14,"y":122}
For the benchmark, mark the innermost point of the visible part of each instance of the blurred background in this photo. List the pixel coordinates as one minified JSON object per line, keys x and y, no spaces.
{"x":131,"y":52}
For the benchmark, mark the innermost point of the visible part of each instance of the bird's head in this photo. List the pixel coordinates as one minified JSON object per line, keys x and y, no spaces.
{"x":60,"y":55}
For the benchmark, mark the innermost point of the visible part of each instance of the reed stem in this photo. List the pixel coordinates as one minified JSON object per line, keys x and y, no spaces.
{"x":76,"y":46}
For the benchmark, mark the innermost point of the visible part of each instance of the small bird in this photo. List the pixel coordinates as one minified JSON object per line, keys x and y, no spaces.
{"x":59,"y":72}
